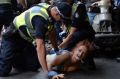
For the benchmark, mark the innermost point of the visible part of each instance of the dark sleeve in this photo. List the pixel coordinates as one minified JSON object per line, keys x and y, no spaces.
{"x":79,"y":16}
{"x":39,"y":24}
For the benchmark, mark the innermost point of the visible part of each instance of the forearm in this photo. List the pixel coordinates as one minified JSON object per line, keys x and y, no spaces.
{"x":68,"y":38}
{"x":66,"y":41}
{"x":56,"y":60}
{"x":41,"y":52}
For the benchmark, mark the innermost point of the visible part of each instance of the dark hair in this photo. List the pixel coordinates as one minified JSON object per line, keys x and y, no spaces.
{"x":65,"y":9}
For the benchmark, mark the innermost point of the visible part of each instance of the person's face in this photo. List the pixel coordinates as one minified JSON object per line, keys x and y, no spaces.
{"x":78,"y":53}
{"x":56,"y":15}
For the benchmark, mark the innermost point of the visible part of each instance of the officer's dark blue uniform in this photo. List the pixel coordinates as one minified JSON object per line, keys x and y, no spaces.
{"x":21,"y":58}
{"x":81,"y":30}
{"x":25,"y":55}
{"x":80,"y":21}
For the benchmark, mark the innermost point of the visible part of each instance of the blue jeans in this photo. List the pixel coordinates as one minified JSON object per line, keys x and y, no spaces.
{"x":91,"y":16}
{"x":17,"y":52}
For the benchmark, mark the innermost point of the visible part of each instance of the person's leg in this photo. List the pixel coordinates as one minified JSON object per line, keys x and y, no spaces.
{"x":91,"y":16}
{"x":5,"y":57}
{"x":7,"y":52}
{"x":29,"y":56}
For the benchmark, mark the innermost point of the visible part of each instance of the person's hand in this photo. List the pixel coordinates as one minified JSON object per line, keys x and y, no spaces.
{"x":55,"y":75}
{"x":59,"y":76}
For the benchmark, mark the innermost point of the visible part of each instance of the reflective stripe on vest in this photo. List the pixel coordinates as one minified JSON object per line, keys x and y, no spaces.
{"x":26,"y":17}
{"x":5,"y":1}
{"x":74,"y":7}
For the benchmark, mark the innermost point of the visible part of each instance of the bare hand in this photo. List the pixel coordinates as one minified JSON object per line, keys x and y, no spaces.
{"x":59,"y":76}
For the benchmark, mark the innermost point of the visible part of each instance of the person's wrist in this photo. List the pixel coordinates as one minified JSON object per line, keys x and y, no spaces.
{"x":52,"y":73}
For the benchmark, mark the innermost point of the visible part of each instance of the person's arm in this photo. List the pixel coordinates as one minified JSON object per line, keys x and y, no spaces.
{"x":77,"y":19}
{"x":40,"y":30}
{"x":68,"y":38}
{"x":56,"y":61}
{"x":41,"y":52}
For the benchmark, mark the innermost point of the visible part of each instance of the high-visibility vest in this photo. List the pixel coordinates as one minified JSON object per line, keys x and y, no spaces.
{"x":26,"y":17}
{"x":74,"y":7}
{"x":5,"y":1}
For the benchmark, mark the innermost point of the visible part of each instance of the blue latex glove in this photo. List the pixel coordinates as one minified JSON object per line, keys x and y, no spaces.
{"x":51,"y":74}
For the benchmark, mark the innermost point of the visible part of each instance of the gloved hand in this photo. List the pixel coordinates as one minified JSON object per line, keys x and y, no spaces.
{"x":51,"y":74}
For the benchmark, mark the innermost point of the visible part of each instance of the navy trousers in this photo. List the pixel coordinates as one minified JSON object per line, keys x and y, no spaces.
{"x":17,"y":52}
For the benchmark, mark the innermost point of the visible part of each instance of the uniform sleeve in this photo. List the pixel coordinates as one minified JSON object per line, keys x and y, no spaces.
{"x":79,"y":16}
{"x":39,"y":24}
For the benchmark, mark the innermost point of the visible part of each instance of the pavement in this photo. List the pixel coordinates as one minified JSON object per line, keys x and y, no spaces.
{"x":106,"y":68}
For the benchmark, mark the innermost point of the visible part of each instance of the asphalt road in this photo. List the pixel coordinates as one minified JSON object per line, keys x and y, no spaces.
{"x":105,"y":69}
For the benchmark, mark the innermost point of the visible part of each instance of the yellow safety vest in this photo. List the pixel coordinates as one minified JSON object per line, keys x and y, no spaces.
{"x":5,"y":1}
{"x":26,"y":17}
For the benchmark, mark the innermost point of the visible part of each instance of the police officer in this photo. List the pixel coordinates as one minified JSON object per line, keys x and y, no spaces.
{"x":31,"y":26}
{"x":80,"y":28}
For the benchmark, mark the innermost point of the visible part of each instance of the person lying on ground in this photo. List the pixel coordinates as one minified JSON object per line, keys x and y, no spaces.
{"x":68,"y":61}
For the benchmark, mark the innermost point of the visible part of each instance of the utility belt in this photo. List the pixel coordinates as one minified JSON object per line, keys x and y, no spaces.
{"x":9,"y":31}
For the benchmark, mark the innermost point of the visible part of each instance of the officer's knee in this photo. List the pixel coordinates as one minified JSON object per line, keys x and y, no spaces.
{"x":5,"y":71}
